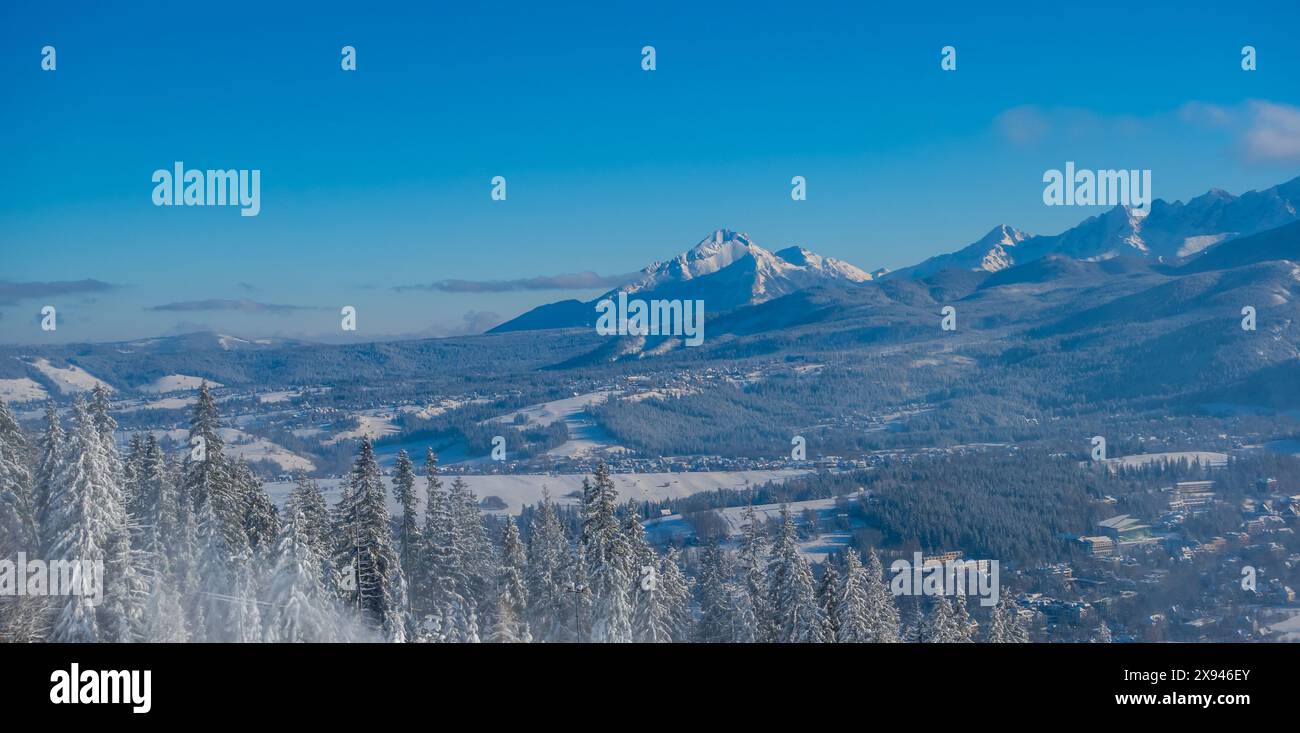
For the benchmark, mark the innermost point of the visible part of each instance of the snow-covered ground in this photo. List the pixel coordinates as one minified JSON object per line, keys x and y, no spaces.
{"x":21,"y":389}
{"x":1209,"y":459}
{"x":71,"y":379}
{"x":676,"y":526}
{"x":369,"y":425}
{"x":548,"y":412}
{"x":163,"y":403}
{"x":176,"y":383}
{"x":239,"y":444}
{"x":585,"y":435}
{"x":440,"y":407}
{"x":522,"y":489}
{"x":1284,"y":626}
{"x":251,"y":448}
{"x":660,"y":394}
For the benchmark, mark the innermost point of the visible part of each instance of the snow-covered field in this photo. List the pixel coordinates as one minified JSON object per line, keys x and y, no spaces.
{"x":521,"y":489}
{"x":251,"y":448}
{"x":239,"y":444}
{"x":565,"y":409}
{"x":660,"y":394}
{"x":1285,"y":624}
{"x":163,"y":403}
{"x":176,"y":383}
{"x":585,"y":436}
{"x":440,"y":407}
{"x":676,"y":526}
{"x":1209,"y":459}
{"x":21,"y":390}
{"x":70,"y":379}
{"x":369,"y":425}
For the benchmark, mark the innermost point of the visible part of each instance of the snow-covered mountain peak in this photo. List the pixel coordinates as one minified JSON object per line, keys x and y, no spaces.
{"x":809,"y":260}
{"x":726,"y":270}
{"x":791,"y":268}
{"x":1004,"y":235}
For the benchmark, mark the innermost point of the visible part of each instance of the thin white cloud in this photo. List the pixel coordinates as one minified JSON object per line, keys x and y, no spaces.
{"x":1029,"y":126}
{"x":1259,"y":131}
{"x":1262,"y":131}
{"x":1274,"y":132}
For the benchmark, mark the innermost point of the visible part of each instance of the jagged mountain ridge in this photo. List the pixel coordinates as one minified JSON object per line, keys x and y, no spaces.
{"x":1170,"y":232}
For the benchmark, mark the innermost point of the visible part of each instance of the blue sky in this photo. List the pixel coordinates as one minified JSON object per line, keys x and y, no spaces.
{"x":378,"y":179}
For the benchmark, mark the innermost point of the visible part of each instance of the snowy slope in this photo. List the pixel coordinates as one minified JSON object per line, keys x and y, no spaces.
{"x":175,"y":383}
{"x":71,"y":379}
{"x":21,"y":390}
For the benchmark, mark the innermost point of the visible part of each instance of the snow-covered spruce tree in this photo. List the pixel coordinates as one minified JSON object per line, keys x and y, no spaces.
{"x":106,"y":427}
{"x":121,"y":615}
{"x":299,"y":608}
{"x":436,"y":520}
{"x":366,"y":551}
{"x":223,"y":606}
{"x":940,"y":625}
{"x":753,"y":569}
{"x":131,"y":467}
{"x":84,"y":512}
{"x":882,"y":612}
{"x":157,"y":509}
{"x":1103,"y":634}
{"x":22,"y":618}
{"x":261,"y":518}
{"x":202,"y":469}
{"x":448,"y":614}
{"x":914,"y":629}
{"x":1018,"y":633}
{"x":306,"y":499}
{"x":548,"y":550}
{"x":227,"y":591}
{"x":164,"y":617}
{"x":675,"y":592}
{"x":408,"y":526}
{"x":792,"y":595}
{"x":609,"y":560}
{"x":650,"y":622}
{"x":510,"y":624}
{"x":478,"y":555}
{"x":828,"y":591}
{"x":963,"y":627}
{"x":205,"y":464}
{"x":126,"y":589}
{"x":185,"y":571}
{"x":50,"y":451}
{"x":18,"y":529}
{"x":577,"y":586}
{"x":718,"y":597}
{"x":134,"y":496}
{"x":852,"y":610}
{"x":166,"y":550}
{"x":1005,"y":626}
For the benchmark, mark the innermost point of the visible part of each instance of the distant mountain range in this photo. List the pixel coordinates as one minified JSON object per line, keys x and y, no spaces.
{"x":727,"y":270}
{"x":1171,"y":232}
{"x":1106,"y":310}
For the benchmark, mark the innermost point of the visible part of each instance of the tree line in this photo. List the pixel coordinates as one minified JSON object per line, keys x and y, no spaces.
{"x":193,"y":549}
